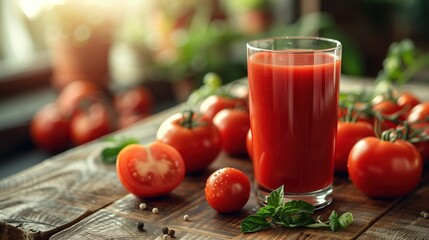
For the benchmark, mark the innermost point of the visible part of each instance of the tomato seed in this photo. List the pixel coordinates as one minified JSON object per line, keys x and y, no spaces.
{"x":140,"y":226}
{"x":165,"y":230}
{"x":155,"y":210}
{"x":186,"y":217}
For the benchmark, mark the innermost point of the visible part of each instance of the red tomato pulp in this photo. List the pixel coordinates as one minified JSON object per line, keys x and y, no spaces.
{"x":293,"y":111}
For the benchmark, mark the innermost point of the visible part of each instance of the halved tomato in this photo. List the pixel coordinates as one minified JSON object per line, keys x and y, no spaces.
{"x":150,"y":171}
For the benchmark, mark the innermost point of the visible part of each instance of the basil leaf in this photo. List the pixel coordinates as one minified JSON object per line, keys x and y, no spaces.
{"x":345,"y":219}
{"x":296,"y":213}
{"x":254,"y":223}
{"x":302,"y":220}
{"x":267,"y":211}
{"x":297,"y":206}
{"x":333,"y":221}
{"x":275,"y":198}
{"x":109,"y":154}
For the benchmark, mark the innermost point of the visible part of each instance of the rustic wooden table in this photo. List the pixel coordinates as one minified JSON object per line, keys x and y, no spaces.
{"x":75,"y":196}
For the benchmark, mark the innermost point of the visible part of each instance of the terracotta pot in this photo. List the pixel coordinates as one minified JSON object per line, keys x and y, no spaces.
{"x":86,"y":60}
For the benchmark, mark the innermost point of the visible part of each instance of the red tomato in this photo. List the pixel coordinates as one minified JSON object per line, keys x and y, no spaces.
{"x":138,"y":100}
{"x":150,"y":171}
{"x":389,"y":109}
{"x":348,"y":134}
{"x":195,"y":137}
{"x":227,"y":190}
{"x":233,"y":124}
{"x":384,"y":169}
{"x":50,"y":129}
{"x":419,"y":113}
{"x":76,"y":92}
{"x":249,"y":144}
{"x":213,"y":104}
{"x":90,"y":124}
{"x":407,"y":100}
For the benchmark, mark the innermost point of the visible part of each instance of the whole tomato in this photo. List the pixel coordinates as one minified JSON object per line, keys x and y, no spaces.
{"x":213,"y":104}
{"x":389,"y":109}
{"x":50,"y":129}
{"x":227,"y":190}
{"x":150,"y":171}
{"x":348,"y":134}
{"x":407,"y":100}
{"x":74,"y":94}
{"x":195,"y":137}
{"x":137,"y":100}
{"x":384,"y":169}
{"x":233,"y":124}
{"x":419,"y":113}
{"x":93,"y":122}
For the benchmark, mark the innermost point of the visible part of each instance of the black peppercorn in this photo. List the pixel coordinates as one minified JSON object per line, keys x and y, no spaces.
{"x":165,"y":230}
{"x":140,"y":226}
{"x":171,"y":233}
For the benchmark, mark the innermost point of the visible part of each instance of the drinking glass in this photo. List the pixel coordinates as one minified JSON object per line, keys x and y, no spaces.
{"x":293,"y":92}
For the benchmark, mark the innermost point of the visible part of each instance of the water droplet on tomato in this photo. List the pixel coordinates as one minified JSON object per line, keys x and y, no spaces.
{"x":149,"y":176}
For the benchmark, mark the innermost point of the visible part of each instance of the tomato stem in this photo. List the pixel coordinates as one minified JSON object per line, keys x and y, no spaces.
{"x":392,"y":135}
{"x":187,"y":121}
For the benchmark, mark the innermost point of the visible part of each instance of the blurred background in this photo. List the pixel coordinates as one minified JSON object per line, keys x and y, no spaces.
{"x":168,"y":46}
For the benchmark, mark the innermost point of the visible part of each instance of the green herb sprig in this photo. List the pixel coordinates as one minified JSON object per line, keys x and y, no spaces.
{"x":296,"y":213}
{"x":109,"y":154}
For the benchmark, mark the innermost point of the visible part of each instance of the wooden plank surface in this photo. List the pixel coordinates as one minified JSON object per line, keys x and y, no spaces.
{"x":75,"y":196}
{"x":61,"y":191}
{"x":123,"y":215}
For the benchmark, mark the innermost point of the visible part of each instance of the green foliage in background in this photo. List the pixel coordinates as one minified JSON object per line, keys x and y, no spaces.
{"x":323,"y":25}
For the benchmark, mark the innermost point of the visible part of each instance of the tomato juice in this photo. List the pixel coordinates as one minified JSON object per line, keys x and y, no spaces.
{"x":293,"y":109}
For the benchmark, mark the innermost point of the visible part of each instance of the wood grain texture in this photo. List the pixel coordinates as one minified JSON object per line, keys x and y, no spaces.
{"x":404,"y":221}
{"x":206,"y":223}
{"x":64,"y":189}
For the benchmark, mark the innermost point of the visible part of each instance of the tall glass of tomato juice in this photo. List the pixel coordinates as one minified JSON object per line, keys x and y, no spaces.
{"x":293,"y":83}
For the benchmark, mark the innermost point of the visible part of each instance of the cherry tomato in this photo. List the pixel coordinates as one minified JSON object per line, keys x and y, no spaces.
{"x":50,"y":129}
{"x":419,"y":113}
{"x":195,"y":137}
{"x":348,"y":133}
{"x":150,"y":171}
{"x":76,"y":92}
{"x":384,"y":169}
{"x":233,"y":124}
{"x":389,"y":109}
{"x":138,"y":100}
{"x":249,"y":144}
{"x":407,"y":100}
{"x":227,"y":190}
{"x":213,"y":104}
{"x":90,"y":124}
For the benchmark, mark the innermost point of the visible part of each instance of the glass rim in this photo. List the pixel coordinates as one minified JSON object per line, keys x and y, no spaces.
{"x":250,"y":44}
